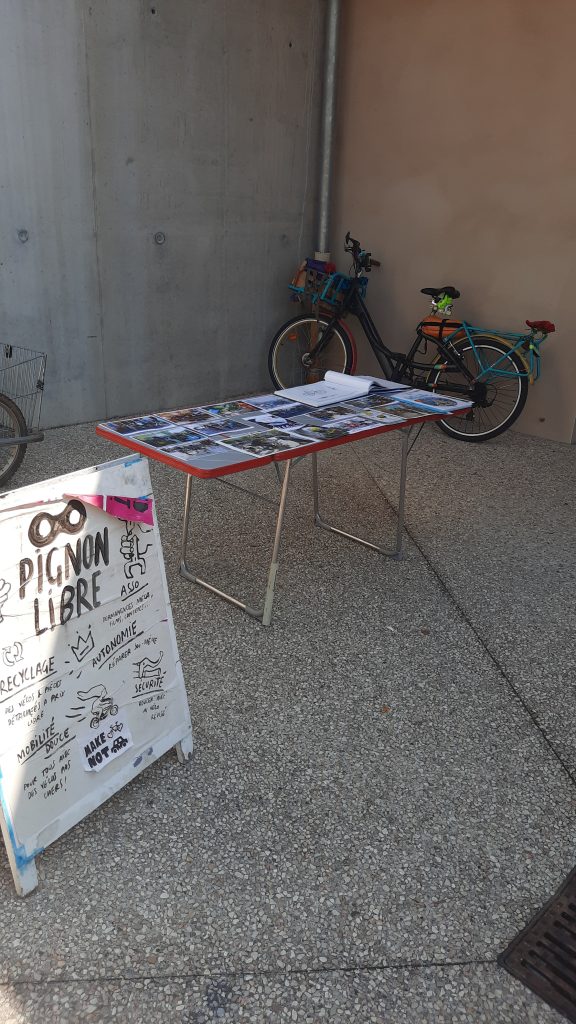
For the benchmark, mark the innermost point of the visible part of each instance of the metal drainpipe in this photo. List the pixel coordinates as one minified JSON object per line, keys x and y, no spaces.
{"x":328,"y":119}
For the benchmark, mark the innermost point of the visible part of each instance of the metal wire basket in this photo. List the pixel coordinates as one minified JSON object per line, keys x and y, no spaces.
{"x":318,"y":284}
{"x":22,"y":379}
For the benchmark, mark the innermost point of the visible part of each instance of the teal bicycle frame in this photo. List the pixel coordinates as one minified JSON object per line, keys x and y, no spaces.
{"x":526,"y":345}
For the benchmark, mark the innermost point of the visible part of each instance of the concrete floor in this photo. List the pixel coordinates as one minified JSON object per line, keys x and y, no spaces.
{"x":384,"y":782}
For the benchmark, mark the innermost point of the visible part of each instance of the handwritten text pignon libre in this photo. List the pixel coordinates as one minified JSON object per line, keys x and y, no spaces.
{"x":46,"y":571}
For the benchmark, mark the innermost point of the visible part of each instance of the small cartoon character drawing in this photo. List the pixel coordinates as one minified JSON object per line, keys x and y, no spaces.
{"x":133,"y":550}
{"x":101,"y":705}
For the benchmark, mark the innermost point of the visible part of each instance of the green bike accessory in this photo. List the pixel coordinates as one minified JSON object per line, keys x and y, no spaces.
{"x":444,"y":302}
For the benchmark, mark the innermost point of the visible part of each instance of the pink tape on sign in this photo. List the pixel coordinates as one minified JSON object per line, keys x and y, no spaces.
{"x":89,"y":499}
{"x":135,"y":510}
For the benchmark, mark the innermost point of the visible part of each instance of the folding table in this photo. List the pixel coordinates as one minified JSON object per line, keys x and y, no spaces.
{"x":233,"y":462}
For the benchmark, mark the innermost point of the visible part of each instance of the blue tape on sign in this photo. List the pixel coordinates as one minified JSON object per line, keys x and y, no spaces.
{"x":21,"y":858}
{"x":140,"y":758}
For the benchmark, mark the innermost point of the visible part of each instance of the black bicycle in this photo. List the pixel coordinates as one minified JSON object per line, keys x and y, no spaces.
{"x":490,"y":368}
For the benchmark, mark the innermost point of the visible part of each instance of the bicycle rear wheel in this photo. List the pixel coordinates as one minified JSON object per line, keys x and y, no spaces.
{"x":504,"y":396}
{"x":287,"y":359}
{"x":12,"y":425}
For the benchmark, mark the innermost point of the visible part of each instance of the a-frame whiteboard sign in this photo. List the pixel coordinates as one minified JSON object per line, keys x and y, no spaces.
{"x":91,"y":686}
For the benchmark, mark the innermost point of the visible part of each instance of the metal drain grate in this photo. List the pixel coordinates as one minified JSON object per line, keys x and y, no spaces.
{"x":543,"y":955}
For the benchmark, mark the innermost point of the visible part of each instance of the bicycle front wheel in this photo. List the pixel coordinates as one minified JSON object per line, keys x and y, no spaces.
{"x":289,"y":362}
{"x":501,"y":379}
{"x":12,"y":426}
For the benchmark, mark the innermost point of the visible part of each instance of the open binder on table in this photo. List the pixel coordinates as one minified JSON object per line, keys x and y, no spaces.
{"x":338,"y":387}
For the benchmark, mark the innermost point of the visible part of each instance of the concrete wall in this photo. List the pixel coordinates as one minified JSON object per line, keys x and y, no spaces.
{"x":120,"y":120}
{"x":456,"y":164}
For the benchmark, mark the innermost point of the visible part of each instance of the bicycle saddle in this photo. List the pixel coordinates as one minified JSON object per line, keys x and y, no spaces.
{"x":448,"y":289}
{"x":546,"y":326}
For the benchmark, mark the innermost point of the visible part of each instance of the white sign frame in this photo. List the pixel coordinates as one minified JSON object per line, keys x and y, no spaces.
{"x":88,"y":702}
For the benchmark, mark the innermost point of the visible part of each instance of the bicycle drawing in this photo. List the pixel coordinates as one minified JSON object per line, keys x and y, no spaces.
{"x":101,"y":706}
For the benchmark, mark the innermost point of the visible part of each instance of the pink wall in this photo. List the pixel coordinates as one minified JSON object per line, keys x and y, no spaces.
{"x":456,"y":164}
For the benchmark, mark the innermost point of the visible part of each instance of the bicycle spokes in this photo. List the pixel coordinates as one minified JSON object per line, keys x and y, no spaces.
{"x":497,"y":388}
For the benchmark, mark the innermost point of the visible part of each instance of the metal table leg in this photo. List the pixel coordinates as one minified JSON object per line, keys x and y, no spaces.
{"x":264,"y":614}
{"x":397,"y":552}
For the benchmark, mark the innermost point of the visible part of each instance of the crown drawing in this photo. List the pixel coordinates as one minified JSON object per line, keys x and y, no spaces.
{"x":83,"y":646}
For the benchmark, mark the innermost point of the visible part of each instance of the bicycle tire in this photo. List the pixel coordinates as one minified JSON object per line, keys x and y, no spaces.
{"x":293,"y":341}
{"x":506,"y":396}
{"x":12,"y":424}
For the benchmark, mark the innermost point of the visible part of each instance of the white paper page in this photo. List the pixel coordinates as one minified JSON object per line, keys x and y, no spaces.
{"x":344,"y":380}
{"x":381,"y":382}
{"x":326,"y":392}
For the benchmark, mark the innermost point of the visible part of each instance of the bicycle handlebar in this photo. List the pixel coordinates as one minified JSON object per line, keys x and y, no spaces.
{"x":351,"y":244}
{"x":362,"y":259}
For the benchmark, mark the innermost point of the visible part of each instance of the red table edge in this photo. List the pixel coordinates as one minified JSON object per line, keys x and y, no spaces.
{"x":157,"y":455}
